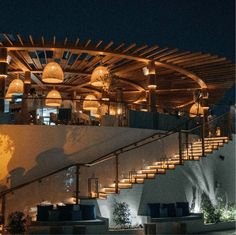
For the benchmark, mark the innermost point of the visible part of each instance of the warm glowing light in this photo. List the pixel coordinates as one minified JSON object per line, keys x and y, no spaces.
{"x":90,"y":103}
{"x":196,"y":110}
{"x":53,"y":73}
{"x":15,"y":87}
{"x":53,"y":99}
{"x":100,"y":77}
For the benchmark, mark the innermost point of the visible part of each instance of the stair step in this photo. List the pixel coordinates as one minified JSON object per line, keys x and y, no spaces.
{"x":217,"y":138}
{"x":102,"y":195}
{"x":163,"y":166}
{"x":144,"y":176}
{"x":133,"y":181}
{"x":123,"y":185}
{"x":148,"y":171}
{"x":109,"y":190}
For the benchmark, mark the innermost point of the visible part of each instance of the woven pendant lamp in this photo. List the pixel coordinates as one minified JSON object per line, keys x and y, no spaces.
{"x":100,"y":77}
{"x":16,"y":87}
{"x":90,"y":103}
{"x":53,"y":98}
{"x":53,"y":73}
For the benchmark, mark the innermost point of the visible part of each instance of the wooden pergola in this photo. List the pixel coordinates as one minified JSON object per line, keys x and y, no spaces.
{"x":179,"y":74}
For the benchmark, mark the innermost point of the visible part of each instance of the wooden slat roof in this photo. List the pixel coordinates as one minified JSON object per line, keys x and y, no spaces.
{"x":179,"y":73}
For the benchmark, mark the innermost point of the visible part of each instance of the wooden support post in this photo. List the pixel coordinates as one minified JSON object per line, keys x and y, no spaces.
{"x":24,"y":107}
{"x":3,"y":209}
{"x":77,"y":184}
{"x":152,"y":101}
{"x":180,"y":148}
{"x":2,"y":94}
{"x":116,"y":174}
{"x":203,"y":136}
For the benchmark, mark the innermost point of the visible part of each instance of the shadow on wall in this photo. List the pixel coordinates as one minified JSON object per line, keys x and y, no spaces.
{"x":46,"y":162}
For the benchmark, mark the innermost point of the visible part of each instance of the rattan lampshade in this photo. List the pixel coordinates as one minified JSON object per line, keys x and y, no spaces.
{"x":90,"y":103}
{"x":196,"y":110}
{"x":8,"y":97}
{"x":100,"y":77}
{"x":53,"y":98}
{"x":53,"y":73}
{"x":16,"y":87}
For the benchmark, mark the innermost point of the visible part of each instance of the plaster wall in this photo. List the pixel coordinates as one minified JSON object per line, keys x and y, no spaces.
{"x":179,"y":185}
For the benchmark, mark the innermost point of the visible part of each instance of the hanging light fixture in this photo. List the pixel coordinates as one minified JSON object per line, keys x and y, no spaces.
{"x":53,"y":98}
{"x":196,"y":110}
{"x":90,"y":103}
{"x":16,"y":87}
{"x":53,"y":73}
{"x":8,"y":97}
{"x":100,"y":77}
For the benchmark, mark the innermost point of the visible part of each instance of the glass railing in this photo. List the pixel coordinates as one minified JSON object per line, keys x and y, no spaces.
{"x":108,"y":113}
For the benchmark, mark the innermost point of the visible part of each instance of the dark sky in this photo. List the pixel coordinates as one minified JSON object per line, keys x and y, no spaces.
{"x":195,"y":25}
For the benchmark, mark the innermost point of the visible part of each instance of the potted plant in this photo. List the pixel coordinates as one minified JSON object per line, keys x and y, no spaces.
{"x":17,"y":223}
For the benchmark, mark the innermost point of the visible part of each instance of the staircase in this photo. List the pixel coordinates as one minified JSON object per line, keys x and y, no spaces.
{"x":192,"y":153}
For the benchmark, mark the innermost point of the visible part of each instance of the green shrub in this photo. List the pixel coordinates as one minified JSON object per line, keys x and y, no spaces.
{"x":121,"y":214}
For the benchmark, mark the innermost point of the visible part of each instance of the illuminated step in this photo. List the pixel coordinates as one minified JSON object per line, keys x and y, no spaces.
{"x":148,"y":171}
{"x":208,"y":143}
{"x":122,"y":185}
{"x":133,"y":181}
{"x":217,"y":138}
{"x":167,"y":162}
{"x":197,"y":151}
{"x":144,"y":176}
{"x":109,"y":190}
{"x":163,"y":166}
{"x":189,"y":157}
{"x":102,"y":195}
{"x":161,"y":171}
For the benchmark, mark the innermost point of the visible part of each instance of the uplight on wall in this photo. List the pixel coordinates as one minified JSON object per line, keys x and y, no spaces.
{"x":53,"y":98}
{"x":53,"y":73}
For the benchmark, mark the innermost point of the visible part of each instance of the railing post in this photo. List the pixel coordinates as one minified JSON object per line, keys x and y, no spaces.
{"x":3,"y":209}
{"x":180,"y":148}
{"x":117,"y":174}
{"x":203,"y":136}
{"x":77,"y":184}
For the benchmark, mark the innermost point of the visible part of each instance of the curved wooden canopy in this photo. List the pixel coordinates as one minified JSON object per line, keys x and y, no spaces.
{"x":179,"y":74}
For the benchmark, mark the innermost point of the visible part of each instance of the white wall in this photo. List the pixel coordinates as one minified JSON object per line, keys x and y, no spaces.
{"x":177,"y":185}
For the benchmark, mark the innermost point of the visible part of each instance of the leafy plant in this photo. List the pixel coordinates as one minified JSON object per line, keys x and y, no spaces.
{"x":17,"y":223}
{"x":211,"y":214}
{"x":121,"y":214}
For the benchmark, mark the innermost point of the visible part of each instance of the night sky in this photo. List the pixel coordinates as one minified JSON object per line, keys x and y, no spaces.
{"x":191,"y":25}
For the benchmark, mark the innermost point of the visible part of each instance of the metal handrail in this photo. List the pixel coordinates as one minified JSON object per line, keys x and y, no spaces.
{"x":97,"y":161}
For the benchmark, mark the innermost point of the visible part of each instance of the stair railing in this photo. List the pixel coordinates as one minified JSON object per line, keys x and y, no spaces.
{"x":222,"y":122}
{"x":115,"y":153}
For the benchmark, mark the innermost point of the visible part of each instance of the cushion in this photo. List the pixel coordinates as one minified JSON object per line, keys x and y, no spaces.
{"x":43,"y":212}
{"x":65,"y":212}
{"x":184,"y":206}
{"x":76,"y":215}
{"x":163,"y":212}
{"x":178,"y":211}
{"x":154,"y":210}
{"x":170,"y":209}
{"x":53,"y":215}
{"x":88,"y":212}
